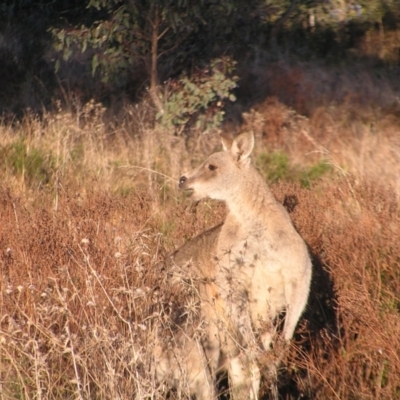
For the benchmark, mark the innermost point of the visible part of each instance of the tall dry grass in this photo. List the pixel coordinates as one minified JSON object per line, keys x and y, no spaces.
{"x":363,"y":143}
{"x":123,"y":153}
{"x":83,"y":294}
{"x":348,"y":346}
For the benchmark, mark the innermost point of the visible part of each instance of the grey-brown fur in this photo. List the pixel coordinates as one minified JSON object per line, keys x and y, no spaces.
{"x":247,"y":270}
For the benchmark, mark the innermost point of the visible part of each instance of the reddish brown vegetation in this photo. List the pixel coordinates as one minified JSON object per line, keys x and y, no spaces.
{"x":350,"y":344}
{"x":82,"y":295}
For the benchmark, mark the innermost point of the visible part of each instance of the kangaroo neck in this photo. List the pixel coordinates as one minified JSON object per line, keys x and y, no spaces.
{"x":251,"y":200}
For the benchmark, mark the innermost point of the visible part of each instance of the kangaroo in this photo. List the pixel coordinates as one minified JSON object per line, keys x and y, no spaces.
{"x":251,"y":268}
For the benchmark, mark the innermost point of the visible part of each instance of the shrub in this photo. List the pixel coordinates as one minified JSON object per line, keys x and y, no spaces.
{"x":200,"y":98}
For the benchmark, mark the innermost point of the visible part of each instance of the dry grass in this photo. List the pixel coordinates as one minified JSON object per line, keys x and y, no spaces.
{"x":349,"y":344}
{"x":364,"y":144}
{"x":82,"y":293}
{"x":37,"y":153}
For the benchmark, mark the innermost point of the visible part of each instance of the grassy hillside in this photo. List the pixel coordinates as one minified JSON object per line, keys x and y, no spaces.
{"x":89,"y":207}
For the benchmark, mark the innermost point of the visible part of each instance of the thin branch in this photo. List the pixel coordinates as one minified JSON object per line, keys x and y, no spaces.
{"x":278,"y":24}
{"x":163,"y":33}
{"x":173,"y":47}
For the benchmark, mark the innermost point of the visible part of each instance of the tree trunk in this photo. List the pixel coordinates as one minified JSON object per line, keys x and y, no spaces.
{"x":278,"y":24}
{"x":382,"y":47}
{"x":153,"y":66}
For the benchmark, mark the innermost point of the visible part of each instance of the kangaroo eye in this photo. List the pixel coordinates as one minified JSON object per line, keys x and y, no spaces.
{"x":212,"y":167}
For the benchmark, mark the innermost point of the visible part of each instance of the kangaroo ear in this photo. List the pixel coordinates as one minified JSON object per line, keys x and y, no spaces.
{"x":226,"y":142}
{"x":242,"y":146}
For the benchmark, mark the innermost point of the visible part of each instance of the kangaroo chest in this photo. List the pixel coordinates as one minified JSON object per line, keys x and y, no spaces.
{"x":248,"y":254}
{"x":249,"y":270}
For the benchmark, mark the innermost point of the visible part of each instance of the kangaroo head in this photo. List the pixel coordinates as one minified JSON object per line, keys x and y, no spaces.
{"x":218,"y":176}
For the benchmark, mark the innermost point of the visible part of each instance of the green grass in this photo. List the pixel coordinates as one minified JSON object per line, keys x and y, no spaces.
{"x":276,"y":167}
{"x":34,"y":166}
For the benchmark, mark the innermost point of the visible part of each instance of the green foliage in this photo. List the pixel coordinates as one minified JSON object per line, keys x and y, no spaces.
{"x":109,"y":41}
{"x":125,"y":41}
{"x":32,"y":165}
{"x":314,"y":172}
{"x":276,"y":167}
{"x":129,"y":33}
{"x":200,"y":97}
{"x":336,"y":13}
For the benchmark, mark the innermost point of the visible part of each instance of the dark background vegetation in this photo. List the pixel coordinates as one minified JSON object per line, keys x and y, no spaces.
{"x":337,"y":32}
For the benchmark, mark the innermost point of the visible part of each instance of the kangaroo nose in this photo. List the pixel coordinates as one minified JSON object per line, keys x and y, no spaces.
{"x":182,"y":180}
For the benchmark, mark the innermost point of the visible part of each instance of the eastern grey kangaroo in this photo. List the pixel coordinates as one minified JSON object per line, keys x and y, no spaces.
{"x":249,"y":269}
